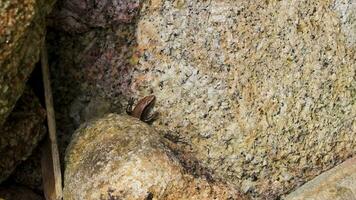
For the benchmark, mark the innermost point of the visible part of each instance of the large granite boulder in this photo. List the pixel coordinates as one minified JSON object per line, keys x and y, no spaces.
{"x":120,"y":157}
{"x":21,"y":133}
{"x":22,"y":28}
{"x":262,"y":92}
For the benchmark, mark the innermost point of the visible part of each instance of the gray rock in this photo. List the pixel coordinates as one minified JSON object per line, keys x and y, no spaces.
{"x":22,"y":28}
{"x":337,"y":183}
{"x":120,"y":157}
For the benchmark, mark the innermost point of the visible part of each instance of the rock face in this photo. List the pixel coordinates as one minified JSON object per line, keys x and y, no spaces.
{"x":120,"y":157}
{"x":22,"y":28}
{"x":90,"y":50}
{"x":21,"y":133}
{"x":262,"y":92}
{"x":337,"y":183}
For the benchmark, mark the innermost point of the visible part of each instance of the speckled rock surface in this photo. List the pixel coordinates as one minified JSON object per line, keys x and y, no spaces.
{"x":337,"y":183}
{"x":22,"y":27}
{"x":346,"y":10}
{"x":262,"y":92}
{"x":18,"y":193}
{"x":120,"y":157}
{"x":21,"y":133}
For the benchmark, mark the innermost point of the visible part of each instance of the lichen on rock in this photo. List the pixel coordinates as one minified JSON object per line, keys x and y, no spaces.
{"x":120,"y":157}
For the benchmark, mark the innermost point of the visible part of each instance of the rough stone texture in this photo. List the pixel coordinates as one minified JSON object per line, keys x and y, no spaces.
{"x":262,"y":92}
{"x":347,"y":13}
{"x":120,"y":157}
{"x":337,"y":183}
{"x":22,"y":27}
{"x":18,"y":193}
{"x":21,"y":133}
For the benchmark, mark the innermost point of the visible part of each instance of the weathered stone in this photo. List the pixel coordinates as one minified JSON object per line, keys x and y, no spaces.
{"x":262,"y":92}
{"x":120,"y":157}
{"x":337,"y":183}
{"x":21,"y":133}
{"x":22,"y":27}
{"x":347,"y":13}
{"x":18,"y":193}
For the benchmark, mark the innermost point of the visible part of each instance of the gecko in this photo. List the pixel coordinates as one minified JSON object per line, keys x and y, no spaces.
{"x":142,"y":109}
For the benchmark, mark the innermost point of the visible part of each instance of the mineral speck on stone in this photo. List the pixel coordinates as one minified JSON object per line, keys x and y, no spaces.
{"x":120,"y":157}
{"x":261,"y":92}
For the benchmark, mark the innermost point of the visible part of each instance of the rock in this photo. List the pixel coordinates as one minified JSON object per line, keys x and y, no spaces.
{"x":259,"y":91}
{"x":256,"y":90}
{"x":21,"y":133}
{"x":79,"y":16}
{"x":347,"y":14}
{"x":336,"y":183}
{"x":22,"y":28}
{"x":28,"y":173}
{"x":120,"y":157}
{"x":18,"y":193}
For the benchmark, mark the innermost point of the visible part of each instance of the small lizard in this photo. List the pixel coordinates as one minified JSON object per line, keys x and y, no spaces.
{"x":142,"y":109}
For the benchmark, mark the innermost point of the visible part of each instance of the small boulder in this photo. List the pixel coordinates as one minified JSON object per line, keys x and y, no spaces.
{"x":120,"y":157}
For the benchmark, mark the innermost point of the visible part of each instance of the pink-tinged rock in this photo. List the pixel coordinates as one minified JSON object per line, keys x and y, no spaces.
{"x":337,"y":183}
{"x":81,"y":15}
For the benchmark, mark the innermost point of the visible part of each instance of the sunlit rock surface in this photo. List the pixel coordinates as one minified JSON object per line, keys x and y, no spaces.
{"x":120,"y":157}
{"x":262,"y":92}
{"x":336,"y":183}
